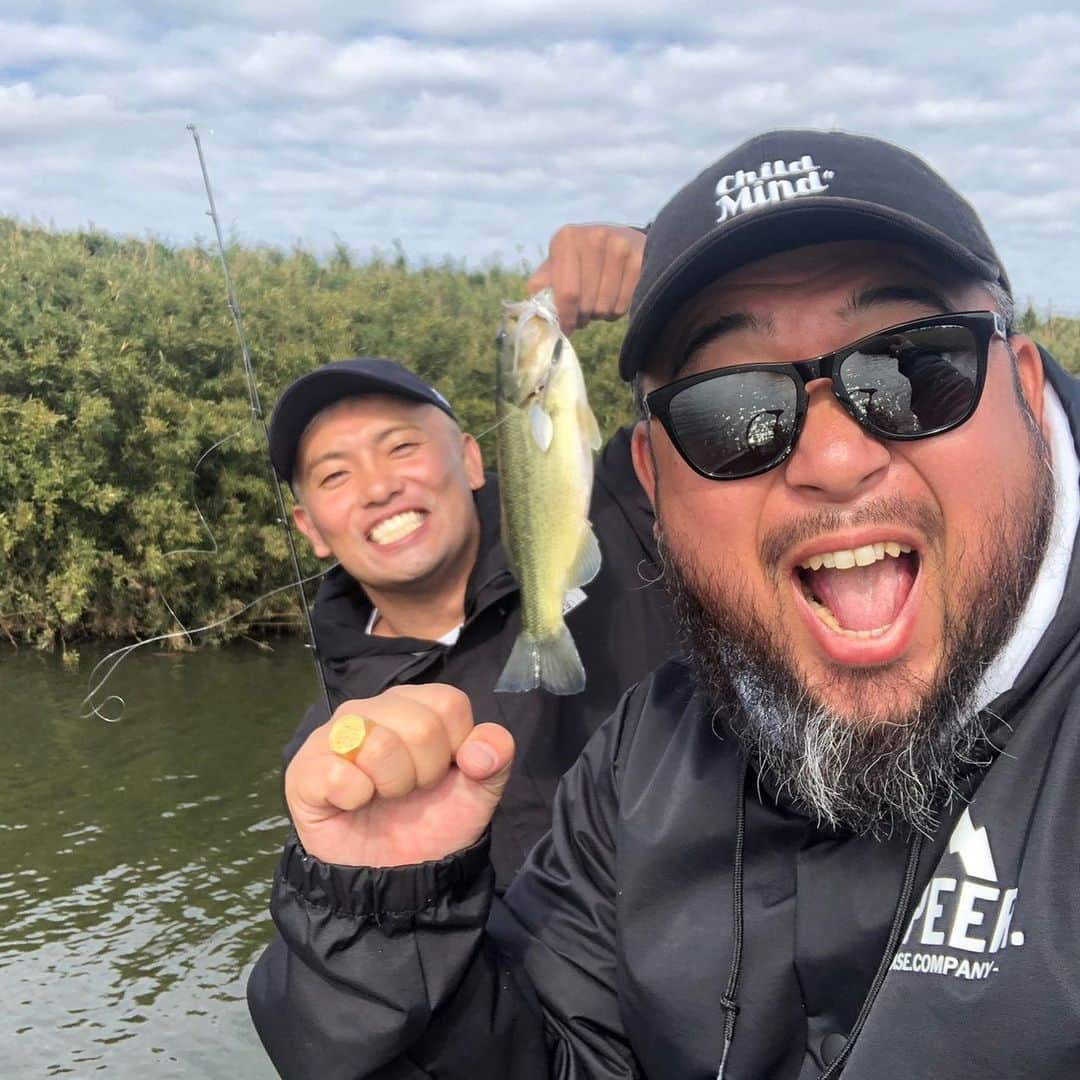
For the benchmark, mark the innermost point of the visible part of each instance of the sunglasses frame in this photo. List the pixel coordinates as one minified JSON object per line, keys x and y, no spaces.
{"x":984,"y":326}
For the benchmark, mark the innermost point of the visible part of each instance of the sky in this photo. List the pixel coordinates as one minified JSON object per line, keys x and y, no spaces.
{"x":474,"y":129}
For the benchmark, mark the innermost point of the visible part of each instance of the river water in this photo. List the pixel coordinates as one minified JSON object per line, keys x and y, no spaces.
{"x":136,"y":858}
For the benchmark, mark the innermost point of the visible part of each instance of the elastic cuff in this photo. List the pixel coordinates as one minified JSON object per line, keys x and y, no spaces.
{"x":385,"y":894}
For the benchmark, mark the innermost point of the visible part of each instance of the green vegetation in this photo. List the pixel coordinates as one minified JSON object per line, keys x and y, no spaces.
{"x":119,"y":368}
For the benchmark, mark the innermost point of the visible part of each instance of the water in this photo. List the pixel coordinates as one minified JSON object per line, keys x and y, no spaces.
{"x":136,"y":858}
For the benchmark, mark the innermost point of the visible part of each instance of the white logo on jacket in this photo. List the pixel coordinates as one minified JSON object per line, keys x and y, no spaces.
{"x":969,"y":913}
{"x":772,"y":182}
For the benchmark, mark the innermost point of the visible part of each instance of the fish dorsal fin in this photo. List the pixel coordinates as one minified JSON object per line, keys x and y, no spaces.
{"x":541,"y":426}
{"x":587,"y":564}
{"x":590,"y":429}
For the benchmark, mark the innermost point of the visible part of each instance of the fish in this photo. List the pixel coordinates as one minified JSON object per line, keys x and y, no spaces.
{"x":546,"y":436}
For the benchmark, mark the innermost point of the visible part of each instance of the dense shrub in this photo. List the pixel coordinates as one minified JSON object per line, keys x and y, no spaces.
{"x":119,"y":370}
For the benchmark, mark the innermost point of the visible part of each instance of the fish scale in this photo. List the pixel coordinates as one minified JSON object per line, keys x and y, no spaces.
{"x":545,"y":491}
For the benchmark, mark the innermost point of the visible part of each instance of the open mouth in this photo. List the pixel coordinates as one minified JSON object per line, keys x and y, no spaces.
{"x":392,"y":529}
{"x":860,"y":592}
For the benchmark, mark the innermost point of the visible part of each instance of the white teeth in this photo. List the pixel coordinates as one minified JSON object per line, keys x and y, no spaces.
{"x":865,"y":555}
{"x":397,"y":527}
{"x":846,"y":558}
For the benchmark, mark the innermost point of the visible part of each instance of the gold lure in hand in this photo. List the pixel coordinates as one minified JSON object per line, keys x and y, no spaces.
{"x":347,"y":734}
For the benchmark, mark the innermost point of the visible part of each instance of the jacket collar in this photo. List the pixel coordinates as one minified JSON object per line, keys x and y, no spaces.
{"x":341,"y":610}
{"x":1064,"y":629}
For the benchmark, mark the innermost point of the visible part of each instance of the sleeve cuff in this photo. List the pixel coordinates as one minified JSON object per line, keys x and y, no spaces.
{"x":390,"y":896}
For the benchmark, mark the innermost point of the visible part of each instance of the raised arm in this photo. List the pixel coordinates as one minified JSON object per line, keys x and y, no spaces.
{"x":388,"y":972}
{"x":593,"y":270}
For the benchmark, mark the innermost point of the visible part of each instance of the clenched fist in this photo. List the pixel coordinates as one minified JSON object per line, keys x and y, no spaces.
{"x":424,"y":783}
{"x":593,"y":270}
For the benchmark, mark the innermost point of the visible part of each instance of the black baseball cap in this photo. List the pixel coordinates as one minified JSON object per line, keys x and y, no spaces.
{"x":785,"y":190}
{"x":313,"y":392}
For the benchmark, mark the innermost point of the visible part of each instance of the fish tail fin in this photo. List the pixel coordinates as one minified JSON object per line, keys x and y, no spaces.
{"x":549,"y":662}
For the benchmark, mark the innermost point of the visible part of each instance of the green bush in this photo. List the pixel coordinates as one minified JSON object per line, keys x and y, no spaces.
{"x":119,"y":369}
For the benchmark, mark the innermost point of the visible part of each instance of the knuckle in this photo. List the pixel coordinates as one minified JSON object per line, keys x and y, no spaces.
{"x":563,"y":235}
{"x":380,"y":750}
{"x":458,"y":704}
{"x":423,"y":728}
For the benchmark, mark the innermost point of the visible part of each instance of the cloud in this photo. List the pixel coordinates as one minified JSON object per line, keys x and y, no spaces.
{"x":27,"y":44}
{"x":27,"y":115}
{"x":473,"y":128}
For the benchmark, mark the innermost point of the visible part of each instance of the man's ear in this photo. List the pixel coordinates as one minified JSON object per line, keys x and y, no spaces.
{"x":642,"y":456}
{"x":307,"y":527}
{"x":1029,"y":371}
{"x":474,"y":462}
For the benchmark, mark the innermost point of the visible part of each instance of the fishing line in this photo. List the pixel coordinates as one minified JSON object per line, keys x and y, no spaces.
{"x":483,"y":434}
{"x":118,"y":656}
{"x":213,"y":549}
{"x":258,"y":418}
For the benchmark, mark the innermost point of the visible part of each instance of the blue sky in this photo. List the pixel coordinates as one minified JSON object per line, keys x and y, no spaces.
{"x":475,"y":129}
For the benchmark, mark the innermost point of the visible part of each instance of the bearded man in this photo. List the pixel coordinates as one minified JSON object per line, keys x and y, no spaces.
{"x":840,"y":836}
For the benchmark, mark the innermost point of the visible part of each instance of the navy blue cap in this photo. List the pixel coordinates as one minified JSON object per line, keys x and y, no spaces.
{"x":789,"y":189}
{"x":305,"y":398}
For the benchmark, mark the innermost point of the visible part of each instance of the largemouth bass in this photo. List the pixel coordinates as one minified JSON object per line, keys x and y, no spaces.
{"x":546,"y":438}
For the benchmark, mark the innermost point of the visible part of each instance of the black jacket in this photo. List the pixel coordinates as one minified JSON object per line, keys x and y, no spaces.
{"x":612,"y":954}
{"x":622,"y":631}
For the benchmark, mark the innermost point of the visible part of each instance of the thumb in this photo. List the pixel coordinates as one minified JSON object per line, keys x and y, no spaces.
{"x":540,"y":279}
{"x":486,"y":757}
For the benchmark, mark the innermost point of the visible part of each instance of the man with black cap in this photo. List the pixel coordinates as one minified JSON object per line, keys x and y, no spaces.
{"x":388,"y":484}
{"x":842,"y":834}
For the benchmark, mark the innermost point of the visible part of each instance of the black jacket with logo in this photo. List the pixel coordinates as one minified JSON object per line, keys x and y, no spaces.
{"x":622,"y":631}
{"x":613,"y":954}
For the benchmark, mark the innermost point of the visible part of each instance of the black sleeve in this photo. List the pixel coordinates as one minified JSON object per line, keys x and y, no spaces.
{"x":391,"y":974}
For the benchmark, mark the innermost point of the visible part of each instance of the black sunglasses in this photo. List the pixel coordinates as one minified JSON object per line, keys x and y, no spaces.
{"x":908,"y":381}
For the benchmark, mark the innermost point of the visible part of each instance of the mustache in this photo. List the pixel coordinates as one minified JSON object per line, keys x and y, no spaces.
{"x":891,"y":510}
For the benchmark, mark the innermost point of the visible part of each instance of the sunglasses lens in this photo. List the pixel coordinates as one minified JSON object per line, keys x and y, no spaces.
{"x":914,"y":382}
{"x":736,"y":424}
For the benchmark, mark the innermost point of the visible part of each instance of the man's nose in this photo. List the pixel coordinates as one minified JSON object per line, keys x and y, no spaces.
{"x":380,"y":486}
{"x":834,"y":459}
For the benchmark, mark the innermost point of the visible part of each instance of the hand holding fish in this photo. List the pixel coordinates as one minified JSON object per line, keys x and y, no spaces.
{"x":424,"y":782}
{"x":593,"y":270}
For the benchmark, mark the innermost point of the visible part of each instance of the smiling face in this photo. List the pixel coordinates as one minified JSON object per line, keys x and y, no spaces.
{"x":853,"y":563}
{"x":385,"y":486}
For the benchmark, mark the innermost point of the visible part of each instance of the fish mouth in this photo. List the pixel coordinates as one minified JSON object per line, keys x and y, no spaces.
{"x":860,"y":602}
{"x":396,"y":527}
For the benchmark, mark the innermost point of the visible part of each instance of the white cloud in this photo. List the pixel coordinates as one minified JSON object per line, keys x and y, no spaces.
{"x":472,"y":127}
{"x":27,"y":43}
{"x":25,"y":114}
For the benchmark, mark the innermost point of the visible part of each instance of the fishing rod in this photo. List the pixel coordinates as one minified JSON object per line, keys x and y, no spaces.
{"x":260,"y":420}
